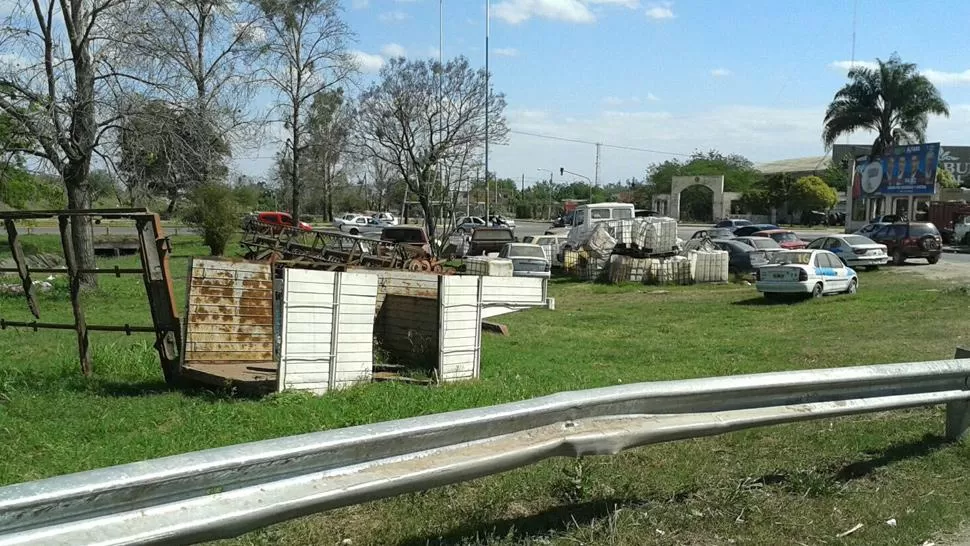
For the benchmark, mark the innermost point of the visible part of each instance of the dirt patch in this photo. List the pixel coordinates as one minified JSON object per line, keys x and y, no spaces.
{"x":944,"y":270}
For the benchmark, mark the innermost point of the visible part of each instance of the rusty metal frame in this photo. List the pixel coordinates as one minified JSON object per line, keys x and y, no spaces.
{"x":154,"y":250}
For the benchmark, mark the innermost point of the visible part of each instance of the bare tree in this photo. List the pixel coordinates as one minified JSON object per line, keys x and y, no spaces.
{"x":198,"y":56}
{"x":421,"y":117}
{"x":54,"y":92}
{"x":306,"y":54}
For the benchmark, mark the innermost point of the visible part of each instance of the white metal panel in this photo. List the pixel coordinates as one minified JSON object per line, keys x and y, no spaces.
{"x":307,"y":330}
{"x":459,"y":341}
{"x":328,"y":329}
{"x":355,"y":329}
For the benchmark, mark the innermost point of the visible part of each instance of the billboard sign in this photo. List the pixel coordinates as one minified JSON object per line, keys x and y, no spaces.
{"x":905,"y":170}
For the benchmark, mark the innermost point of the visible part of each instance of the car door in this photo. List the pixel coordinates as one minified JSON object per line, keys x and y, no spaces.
{"x":835,"y":246}
{"x":834,"y":272}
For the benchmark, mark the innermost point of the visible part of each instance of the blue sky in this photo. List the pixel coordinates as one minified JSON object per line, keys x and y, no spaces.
{"x":748,"y":77}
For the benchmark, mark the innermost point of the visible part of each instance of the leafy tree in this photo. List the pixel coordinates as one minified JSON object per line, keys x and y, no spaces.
{"x":836,"y":175}
{"x":329,"y":126}
{"x":893,"y":100}
{"x":944,"y":179}
{"x":425,"y":120}
{"x":214,"y":209}
{"x":739,"y":176}
{"x":812,"y":193}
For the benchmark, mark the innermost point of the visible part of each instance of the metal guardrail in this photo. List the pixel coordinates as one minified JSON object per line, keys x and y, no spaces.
{"x":224,"y":492}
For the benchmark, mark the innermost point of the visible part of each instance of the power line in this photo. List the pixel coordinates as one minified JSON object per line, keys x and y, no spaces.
{"x":616,"y":146}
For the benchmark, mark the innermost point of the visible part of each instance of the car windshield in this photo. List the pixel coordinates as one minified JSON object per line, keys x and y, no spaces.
{"x":762,"y":243}
{"x":919,"y":230}
{"x":492,"y":235}
{"x":801,"y":258}
{"x":784,"y":237}
{"x":526,"y":251}
{"x":858,"y":240}
{"x":403,"y":235}
{"x":349,"y":216}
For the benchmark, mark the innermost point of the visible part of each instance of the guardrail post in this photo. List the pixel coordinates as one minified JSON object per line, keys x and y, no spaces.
{"x":958,"y":413}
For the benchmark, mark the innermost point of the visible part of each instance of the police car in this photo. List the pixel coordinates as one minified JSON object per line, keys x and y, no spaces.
{"x":814,"y":272}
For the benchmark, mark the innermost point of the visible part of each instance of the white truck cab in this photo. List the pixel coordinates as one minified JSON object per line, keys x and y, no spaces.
{"x":585,"y":218}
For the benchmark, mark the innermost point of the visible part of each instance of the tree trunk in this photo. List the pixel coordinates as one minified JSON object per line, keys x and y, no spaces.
{"x":79,"y":198}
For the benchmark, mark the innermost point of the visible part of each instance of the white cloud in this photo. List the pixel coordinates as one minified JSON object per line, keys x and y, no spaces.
{"x":359,"y":4}
{"x":569,"y":11}
{"x":845,"y":66}
{"x":619,"y":101}
{"x":948,"y":78}
{"x":720,"y":72}
{"x":661,"y":11}
{"x":506,"y":52}
{"x":392,"y":50}
{"x":367,"y":62}
{"x":939,"y":77}
{"x":393,"y":17}
{"x":653,"y":98}
{"x":518,"y":11}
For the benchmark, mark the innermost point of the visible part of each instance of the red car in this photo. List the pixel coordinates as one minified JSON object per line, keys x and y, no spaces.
{"x":282,"y":219}
{"x":785,"y":238}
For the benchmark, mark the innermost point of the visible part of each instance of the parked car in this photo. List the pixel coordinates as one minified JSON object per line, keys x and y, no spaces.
{"x":733,"y":223}
{"x":350,"y":220}
{"x":564,"y":220}
{"x":853,"y":250}
{"x":742,"y":258}
{"x":910,"y":240}
{"x":385,"y":218}
{"x":469,"y":224}
{"x":815,"y":272}
{"x":713,"y":233}
{"x":588,"y":215}
{"x":501,"y":221}
{"x":787,"y":239}
{"x":766,"y":244}
{"x":486,"y":240}
{"x":528,"y":260}
{"x":275,"y":218}
{"x":551,"y":245}
{"x":409,"y":235}
{"x":868,"y":229}
{"x":744,"y":231}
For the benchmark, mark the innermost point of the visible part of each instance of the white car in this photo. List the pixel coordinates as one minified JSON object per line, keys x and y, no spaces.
{"x":385,"y":218}
{"x":469,"y":224}
{"x":551,"y":245}
{"x":528,"y":260}
{"x":354,"y":224}
{"x":853,"y":250}
{"x":815,"y":272}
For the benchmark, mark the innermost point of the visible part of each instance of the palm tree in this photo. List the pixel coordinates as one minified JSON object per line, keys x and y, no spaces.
{"x":893,"y":100}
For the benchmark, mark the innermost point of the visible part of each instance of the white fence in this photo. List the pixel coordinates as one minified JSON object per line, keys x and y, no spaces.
{"x":227,"y":491}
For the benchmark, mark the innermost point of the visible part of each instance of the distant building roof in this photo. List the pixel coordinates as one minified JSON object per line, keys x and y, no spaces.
{"x":797,"y":165}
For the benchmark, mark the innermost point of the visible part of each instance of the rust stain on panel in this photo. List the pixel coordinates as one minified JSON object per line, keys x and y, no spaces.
{"x":230,"y":314}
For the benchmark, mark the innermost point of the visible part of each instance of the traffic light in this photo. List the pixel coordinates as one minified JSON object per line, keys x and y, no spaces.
{"x":562,"y":171}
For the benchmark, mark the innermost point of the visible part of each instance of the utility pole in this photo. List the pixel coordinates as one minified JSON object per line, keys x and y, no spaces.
{"x":523,"y":184}
{"x":487,"y":97}
{"x":597,"y":175}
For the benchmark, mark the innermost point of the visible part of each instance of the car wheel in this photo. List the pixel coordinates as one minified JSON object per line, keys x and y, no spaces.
{"x":853,"y":287}
{"x":355,"y":231}
{"x":933,"y":259}
{"x":461,"y":230}
{"x":898,"y":258}
{"x":817,"y":290}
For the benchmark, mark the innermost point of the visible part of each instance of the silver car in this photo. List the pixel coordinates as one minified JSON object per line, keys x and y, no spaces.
{"x":528,"y":260}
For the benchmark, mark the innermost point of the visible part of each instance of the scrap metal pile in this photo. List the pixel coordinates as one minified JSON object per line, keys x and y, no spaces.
{"x":643,"y":250}
{"x":332,"y":250}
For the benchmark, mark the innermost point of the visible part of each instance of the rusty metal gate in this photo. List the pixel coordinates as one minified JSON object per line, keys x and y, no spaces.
{"x":153,"y":248}
{"x":229,"y":325}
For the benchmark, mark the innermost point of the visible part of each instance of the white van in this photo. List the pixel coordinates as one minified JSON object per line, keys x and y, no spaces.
{"x":586,"y":217}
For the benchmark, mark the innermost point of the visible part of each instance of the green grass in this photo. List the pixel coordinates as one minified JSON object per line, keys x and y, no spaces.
{"x":789,"y":484}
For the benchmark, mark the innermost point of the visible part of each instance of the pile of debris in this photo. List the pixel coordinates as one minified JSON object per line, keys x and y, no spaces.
{"x":644,"y":250}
